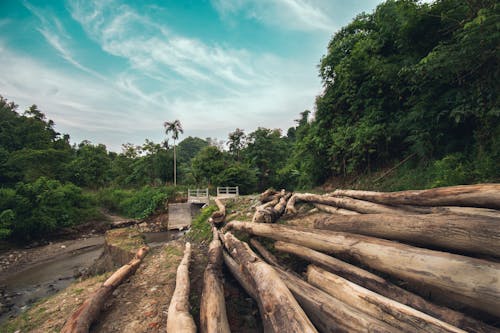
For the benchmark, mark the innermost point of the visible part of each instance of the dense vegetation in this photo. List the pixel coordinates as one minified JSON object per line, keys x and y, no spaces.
{"x":408,"y":80}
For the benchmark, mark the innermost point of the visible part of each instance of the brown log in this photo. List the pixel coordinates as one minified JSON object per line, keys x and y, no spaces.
{"x":271,"y":214}
{"x":239,"y":275}
{"x":279,"y":311}
{"x":328,"y":313}
{"x":179,"y":319}
{"x":213,"y":317}
{"x":89,"y":311}
{"x":335,"y":210}
{"x":389,"y":311}
{"x":470,"y":281}
{"x":480,"y":195}
{"x":268,"y":195}
{"x":471,"y":211}
{"x":359,"y":206}
{"x":385,"y":288}
{"x":472,"y":234}
{"x":268,"y":256}
{"x":218,"y":216}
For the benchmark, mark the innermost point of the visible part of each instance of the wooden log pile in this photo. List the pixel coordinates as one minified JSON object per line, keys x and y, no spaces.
{"x":375,"y":260}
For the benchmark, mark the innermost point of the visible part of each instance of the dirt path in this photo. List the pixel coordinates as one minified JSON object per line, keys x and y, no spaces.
{"x":141,"y":303}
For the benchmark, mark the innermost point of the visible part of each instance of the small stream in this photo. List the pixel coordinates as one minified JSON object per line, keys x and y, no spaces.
{"x":20,"y":290}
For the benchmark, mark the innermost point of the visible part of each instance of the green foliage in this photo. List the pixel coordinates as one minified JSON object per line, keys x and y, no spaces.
{"x":200,"y":228}
{"x":139,"y":203}
{"x":241,"y":175}
{"x":208,"y":164}
{"x":34,"y":210}
{"x":451,"y":170}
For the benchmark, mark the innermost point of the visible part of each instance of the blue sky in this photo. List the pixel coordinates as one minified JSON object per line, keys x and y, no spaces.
{"x":113,"y":71}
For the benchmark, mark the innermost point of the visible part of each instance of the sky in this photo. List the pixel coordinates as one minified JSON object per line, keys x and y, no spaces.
{"x":113,"y":71}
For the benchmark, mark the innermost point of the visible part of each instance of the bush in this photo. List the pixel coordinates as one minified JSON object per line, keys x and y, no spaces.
{"x":33,"y":210}
{"x":135,"y":203}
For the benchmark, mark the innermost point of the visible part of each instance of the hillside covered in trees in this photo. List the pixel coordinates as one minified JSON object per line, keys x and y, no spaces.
{"x":408,"y":80}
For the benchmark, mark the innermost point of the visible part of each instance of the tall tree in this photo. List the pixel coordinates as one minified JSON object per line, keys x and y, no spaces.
{"x":236,"y":143}
{"x":175,"y":128}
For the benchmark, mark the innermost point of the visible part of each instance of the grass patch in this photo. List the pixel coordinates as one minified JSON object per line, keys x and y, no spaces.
{"x":200,"y":228}
{"x":127,"y":239}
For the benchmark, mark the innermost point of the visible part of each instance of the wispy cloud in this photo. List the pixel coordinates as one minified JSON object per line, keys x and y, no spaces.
{"x":286,"y":14}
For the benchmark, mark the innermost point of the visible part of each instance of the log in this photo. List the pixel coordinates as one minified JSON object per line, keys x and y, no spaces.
{"x":239,"y":275}
{"x":471,"y":234}
{"x":271,"y":214}
{"x":218,"y":216}
{"x":268,"y":256}
{"x":329,"y":314}
{"x":89,"y":311}
{"x":389,"y":311}
{"x":213,"y":317}
{"x":179,"y":319}
{"x":385,"y":288}
{"x":480,"y":195}
{"x":279,"y":311}
{"x":335,"y":210}
{"x":269,"y":195}
{"x":359,"y":206}
{"x":470,"y":281}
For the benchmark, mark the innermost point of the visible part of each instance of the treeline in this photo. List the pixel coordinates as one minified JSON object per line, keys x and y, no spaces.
{"x":410,"y":78}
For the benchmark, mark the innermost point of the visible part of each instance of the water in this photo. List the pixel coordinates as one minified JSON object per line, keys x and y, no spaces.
{"x":41,"y":280}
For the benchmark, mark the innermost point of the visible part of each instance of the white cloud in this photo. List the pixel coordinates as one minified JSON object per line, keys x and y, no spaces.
{"x":289,"y":14}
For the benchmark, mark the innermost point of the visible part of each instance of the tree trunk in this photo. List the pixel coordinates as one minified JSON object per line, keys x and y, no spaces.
{"x":175,"y":167}
{"x":359,"y":206}
{"x":220,"y":215}
{"x":467,"y":280}
{"x":89,"y":311}
{"x":385,"y":288}
{"x":213,"y":317}
{"x":269,"y":195}
{"x":329,"y":314}
{"x":271,"y":214}
{"x":480,"y":195}
{"x":239,"y":275}
{"x":389,"y":311}
{"x":279,"y":311}
{"x":268,"y":256}
{"x":335,"y":210}
{"x":179,"y":319}
{"x":478,"y":235}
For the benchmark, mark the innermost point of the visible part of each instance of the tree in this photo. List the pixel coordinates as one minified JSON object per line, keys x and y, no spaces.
{"x":175,"y":128}
{"x":236,"y":143}
{"x":208,"y":164}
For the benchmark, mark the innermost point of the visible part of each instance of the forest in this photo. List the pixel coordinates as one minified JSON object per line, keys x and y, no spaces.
{"x":411,"y":82}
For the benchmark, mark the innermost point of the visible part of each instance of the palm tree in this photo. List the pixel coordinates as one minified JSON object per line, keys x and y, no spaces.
{"x":175,"y":128}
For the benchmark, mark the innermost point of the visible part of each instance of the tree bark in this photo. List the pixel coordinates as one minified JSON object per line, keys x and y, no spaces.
{"x":213,"y":317}
{"x":480,"y":195}
{"x":477,"y":235}
{"x":239,"y":275}
{"x":329,"y":314}
{"x":470,"y":281}
{"x":89,"y":311}
{"x":279,"y":311}
{"x":268,"y":256}
{"x":179,"y":319}
{"x":218,"y":216}
{"x":269,"y":195}
{"x":389,"y":311}
{"x":385,"y":288}
{"x":359,"y":206}
{"x":335,"y":210}
{"x":271,"y":214}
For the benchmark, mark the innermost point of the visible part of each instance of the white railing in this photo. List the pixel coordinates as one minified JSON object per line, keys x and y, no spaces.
{"x":198,"y":195}
{"x":228,"y":191}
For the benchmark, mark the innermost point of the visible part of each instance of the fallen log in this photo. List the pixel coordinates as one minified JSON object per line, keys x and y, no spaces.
{"x":329,"y":314}
{"x":470,"y":281}
{"x":335,"y":210}
{"x":279,"y":311}
{"x":271,"y":214}
{"x":268,"y":256}
{"x":179,"y":319}
{"x":88,"y":312}
{"x":213,"y":317}
{"x":360,"y":206}
{"x":389,"y":311}
{"x":218,"y":216}
{"x":269,"y":195}
{"x":385,"y":288}
{"x":480,"y":195}
{"x":239,"y":275}
{"x":471,"y":234}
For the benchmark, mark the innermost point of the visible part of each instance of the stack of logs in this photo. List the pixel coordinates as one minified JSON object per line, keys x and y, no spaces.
{"x":374,"y":258}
